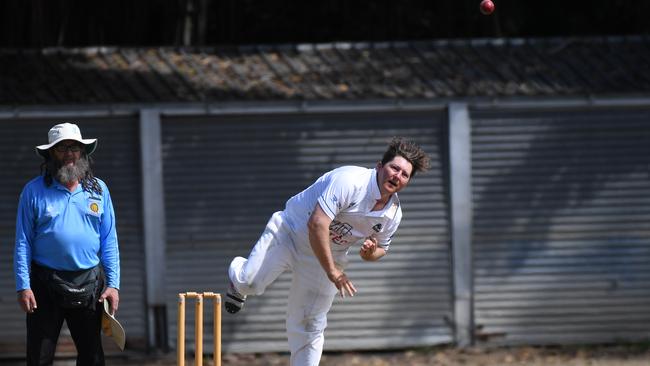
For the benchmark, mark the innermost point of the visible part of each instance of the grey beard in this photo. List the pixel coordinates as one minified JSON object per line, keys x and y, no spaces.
{"x":75,"y":173}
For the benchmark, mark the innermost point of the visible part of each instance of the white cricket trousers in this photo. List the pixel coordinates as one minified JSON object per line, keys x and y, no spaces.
{"x":311,"y":294}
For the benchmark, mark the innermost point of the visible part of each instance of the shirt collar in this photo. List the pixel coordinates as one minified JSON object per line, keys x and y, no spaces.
{"x":375,"y":194}
{"x":56,"y":184}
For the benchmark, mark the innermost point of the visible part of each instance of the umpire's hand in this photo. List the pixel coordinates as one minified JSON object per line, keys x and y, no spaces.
{"x":113,"y":297}
{"x":27,"y":300}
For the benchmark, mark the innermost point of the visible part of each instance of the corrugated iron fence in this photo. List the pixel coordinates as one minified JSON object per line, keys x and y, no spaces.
{"x":559,"y":236}
{"x":561,"y":240}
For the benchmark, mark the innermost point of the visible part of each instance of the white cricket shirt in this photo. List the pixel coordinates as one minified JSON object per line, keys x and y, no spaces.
{"x":347,"y":195}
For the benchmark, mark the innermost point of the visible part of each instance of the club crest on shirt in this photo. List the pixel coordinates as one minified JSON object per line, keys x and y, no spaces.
{"x":338,"y":230}
{"x":377,"y":228}
{"x":94,"y":207}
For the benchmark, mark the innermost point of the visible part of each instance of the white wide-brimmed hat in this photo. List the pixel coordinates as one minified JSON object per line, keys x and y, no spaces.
{"x":112,"y":328}
{"x":65,"y":131}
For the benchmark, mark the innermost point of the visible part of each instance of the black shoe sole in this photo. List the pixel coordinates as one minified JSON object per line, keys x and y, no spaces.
{"x":233,"y":304}
{"x":231,"y":308}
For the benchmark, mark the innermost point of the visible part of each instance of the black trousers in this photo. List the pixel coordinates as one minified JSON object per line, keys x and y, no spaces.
{"x":44,"y":326}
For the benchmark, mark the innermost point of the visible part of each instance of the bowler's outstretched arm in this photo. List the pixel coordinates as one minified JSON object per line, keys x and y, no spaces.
{"x":319,"y":239}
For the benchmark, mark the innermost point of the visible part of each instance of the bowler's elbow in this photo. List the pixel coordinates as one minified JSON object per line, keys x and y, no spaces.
{"x":318,"y":221}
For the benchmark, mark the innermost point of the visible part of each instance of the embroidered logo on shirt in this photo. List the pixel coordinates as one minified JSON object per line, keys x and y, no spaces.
{"x":377,"y":228}
{"x":94,"y":207}
{"x":335,"y":200}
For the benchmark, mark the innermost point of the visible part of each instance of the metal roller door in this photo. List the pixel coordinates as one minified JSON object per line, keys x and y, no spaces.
{"x":561,"y":240}
{"x":224,"y":176}
{"x":117,"y":163}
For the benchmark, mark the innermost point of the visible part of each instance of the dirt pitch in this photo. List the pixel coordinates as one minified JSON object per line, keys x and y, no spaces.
{"x":617,"y":355}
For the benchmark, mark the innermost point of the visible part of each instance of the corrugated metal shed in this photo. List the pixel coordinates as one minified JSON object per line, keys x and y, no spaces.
{"x":559,"y":194}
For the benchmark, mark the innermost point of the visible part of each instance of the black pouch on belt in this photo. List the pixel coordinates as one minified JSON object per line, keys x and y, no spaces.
{"x":72,"y":289}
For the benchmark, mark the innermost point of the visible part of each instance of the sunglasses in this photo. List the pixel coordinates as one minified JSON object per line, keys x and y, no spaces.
{"x":63,"y":148}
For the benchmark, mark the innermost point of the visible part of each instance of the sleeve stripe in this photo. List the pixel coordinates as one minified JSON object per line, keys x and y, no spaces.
{"x":328,"y":211}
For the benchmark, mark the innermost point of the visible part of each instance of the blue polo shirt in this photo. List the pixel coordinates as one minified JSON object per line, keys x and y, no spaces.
{"x":65,"y":230}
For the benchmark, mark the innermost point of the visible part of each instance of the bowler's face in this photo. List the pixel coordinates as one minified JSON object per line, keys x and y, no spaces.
{"x":393,"y":176}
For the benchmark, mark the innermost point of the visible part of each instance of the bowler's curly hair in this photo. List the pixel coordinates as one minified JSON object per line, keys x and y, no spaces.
{"x":89,"y":183}
{"x":410,"y":151}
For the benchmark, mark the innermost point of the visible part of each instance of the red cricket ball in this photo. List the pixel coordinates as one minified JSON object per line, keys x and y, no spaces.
{"x":487,"y":7}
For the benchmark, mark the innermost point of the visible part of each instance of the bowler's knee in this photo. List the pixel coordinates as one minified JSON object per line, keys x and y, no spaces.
{"x":247,"y":284}
{"x":307,"y":328}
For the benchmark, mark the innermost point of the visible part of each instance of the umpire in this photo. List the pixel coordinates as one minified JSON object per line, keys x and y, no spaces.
{"x":66,"y":256}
